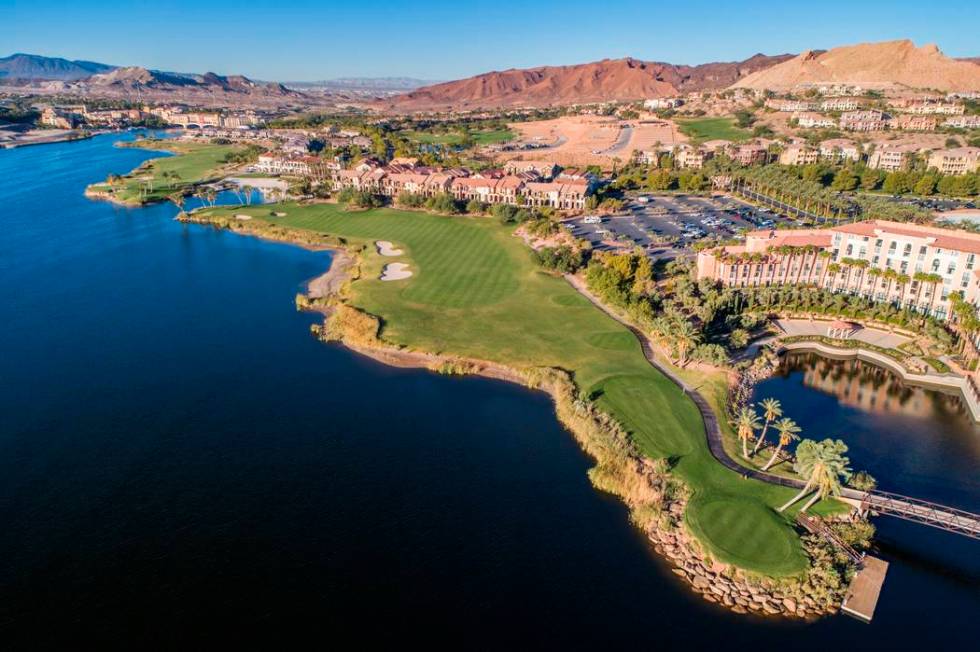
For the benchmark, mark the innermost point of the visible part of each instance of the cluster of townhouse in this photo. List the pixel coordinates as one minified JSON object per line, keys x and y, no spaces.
{"x":862,"y":253}
{"x":528,"y":183}
{"x":885,"y":156}
{"x":908,"y":114}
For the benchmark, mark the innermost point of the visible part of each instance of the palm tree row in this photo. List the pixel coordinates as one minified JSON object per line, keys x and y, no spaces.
{"x":823,"y":464}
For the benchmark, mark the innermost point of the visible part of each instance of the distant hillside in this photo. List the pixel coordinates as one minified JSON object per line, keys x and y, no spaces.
{"x":896,"y":63}
{"x":36,"y":67}
{"x":365,"y":84}
{"x":135,"y":78}
{"x":609,"y":79}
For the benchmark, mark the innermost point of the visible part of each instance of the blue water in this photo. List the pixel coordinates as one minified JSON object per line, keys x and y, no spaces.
{"x":183,"y":465}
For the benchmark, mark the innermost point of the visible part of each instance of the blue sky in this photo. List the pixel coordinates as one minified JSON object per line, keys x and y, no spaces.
{"x":288,"y":40}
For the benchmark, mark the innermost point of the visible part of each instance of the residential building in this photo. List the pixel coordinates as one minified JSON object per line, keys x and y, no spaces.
{"x":913,"y":122}
{"x":871,"y":120}
{"x":891,"y":157}
{"x":790,"y":106}
{"x":934,"y":108}
{"x":570,"y":195}
{"x":544,"y":169}
{"x":960,"y":160}
{"x":751,"y":154}
{"x":799,"y":155}
{"x":60,"y":118}
{"x":811,"y":120}
{"x":662,"y":103}
{"x":691,"y":157}
{"x":840,"y":149}
{"x":840,"y":104}
{"x":853,"y":259}
{"x":963,"y":122}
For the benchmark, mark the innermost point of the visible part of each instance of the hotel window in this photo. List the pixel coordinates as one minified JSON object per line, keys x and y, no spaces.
{"x":905,"y":266}
{"x":891,"y":247}
{"x":969,"y":261}
{"x":877,"y":246}
{"x":907,"y":250}
{"x":862,"y":252}
{"x":951,"y":268}
{"x":935,"y":266}
{"x":965,"y":279}
{"x":922,"y":253}
{"x":850,"y":249}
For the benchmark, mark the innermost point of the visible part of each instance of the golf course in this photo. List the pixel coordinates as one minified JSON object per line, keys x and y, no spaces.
{"x":477,"y":293}
{"x":160,"y":177}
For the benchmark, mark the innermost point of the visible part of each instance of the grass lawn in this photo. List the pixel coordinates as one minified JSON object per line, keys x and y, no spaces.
{"x":702,"y":129}
{"x":455,"y":138}
{"x":196,"y":162}
{"x":476,"y":292}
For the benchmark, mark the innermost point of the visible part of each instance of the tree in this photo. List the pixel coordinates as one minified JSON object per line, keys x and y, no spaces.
{"x":824,"y":465}
{"x":177,"y":199}
{"x":686,"y":337}
{"x":772,"y":409}
{"x":748,"y":423}
{"x":845,"y":179}
{"x":738,"y":338}
{"x":787,"y":430}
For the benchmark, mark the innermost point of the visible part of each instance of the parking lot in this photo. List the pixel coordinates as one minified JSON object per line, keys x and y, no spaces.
{"x":666,"y":226}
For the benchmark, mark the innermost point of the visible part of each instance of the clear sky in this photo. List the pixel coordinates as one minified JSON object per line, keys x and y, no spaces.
{"x":300,"y":41}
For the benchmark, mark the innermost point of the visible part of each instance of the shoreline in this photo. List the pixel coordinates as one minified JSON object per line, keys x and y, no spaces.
{"x":725,"y":585}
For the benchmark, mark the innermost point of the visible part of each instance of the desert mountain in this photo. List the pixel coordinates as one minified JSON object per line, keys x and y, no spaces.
{"x":890,"y":63}
{"x":35,"y":67}
{"x":609,"y":79}
{"x":135,"y":78}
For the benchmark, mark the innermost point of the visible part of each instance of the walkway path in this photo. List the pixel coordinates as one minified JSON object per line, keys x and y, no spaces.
{"x":912,"y":509}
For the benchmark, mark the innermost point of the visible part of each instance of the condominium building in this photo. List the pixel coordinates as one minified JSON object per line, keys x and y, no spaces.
{"x":960,"y":160}
{"x":751,"y":154}
{"x":811,"y":120}
{"x":799,"y":155}
{"x":891,"y":157}
{"x":963,"y":122}
{"x":863,"y":121}
{"x":856,"y":259}
{"x":790,"y":106}
{"x":691,"y":157}
{"x":840,"y":104}
{"x":913,"y":122}
{"x":840,"y":149}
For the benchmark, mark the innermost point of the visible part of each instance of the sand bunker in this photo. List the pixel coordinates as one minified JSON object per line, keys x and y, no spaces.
{"x":386,"y":248}
{"x":242,"y":216}
{"x":395,"y":272}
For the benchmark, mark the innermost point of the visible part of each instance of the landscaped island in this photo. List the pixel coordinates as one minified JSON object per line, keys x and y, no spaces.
{"x":478,"y":303}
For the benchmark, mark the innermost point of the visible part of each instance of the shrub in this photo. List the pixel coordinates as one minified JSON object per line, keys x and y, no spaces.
{"x":443,"y":203}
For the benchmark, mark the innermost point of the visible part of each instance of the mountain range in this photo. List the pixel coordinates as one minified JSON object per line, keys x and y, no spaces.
{"x":33,"y":66}
{"x":599,"y":81}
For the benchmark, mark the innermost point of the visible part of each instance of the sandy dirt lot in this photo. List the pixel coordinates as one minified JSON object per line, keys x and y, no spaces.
{"x":571,"y":140}
{"x":648,"y":132}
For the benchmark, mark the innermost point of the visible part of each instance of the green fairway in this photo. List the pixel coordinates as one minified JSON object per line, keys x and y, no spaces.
{"x":153,"y":181}
{"x":455,"y":138}
{"x":476,"y":292}
{"x":702,"y":129}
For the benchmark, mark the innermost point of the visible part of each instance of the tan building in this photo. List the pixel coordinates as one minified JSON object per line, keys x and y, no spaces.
{"x":751,"y":154}
{"x":544,"y":169}
{"x":963,"y":122}
{"x":691,"y":157}
{"x":840,"y":104}
{"x":790,"y":106}
{"x":839,"y":150}
{"x":891,"y":157}
{"x":961,"y":160}
{"x":811,"y":120}
{"x":863,"y":121}
{"x":799,"y":155}
{"x":853,"y":259}
{"x":911,"y":122}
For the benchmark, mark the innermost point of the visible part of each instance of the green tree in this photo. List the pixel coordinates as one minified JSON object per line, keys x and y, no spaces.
{"x":788,"y":433}
{"x":747,"y":424}
{"x":845,"y":179}
{"x":772,"y":409}
{"x":824,"y":465}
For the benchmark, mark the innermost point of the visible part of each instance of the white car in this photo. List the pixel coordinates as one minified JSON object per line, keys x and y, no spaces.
{"x":592,"y":219}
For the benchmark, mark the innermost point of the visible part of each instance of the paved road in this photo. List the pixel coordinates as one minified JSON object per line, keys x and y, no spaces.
{"x":624,"y":138}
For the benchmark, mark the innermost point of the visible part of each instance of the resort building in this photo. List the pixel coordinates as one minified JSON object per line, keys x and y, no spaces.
{"x":544,"y":169}
{"x":811,"y":120}
{"x":799,"y":155}
{"x":661,"y":103}
{"x":961,"y":160}
{"x":839,"y":150}
{"x":691,"y":157}
{"x":751,"y":154}
{"x":914,"y":266}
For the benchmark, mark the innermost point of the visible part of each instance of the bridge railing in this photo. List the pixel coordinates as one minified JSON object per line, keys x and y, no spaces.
{"x":923,"y":511}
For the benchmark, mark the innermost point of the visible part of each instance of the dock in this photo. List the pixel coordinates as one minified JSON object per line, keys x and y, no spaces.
{"x":862,"y":595}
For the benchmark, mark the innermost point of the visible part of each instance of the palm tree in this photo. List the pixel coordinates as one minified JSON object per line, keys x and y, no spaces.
{"x":748,"y":423}
{"x":686,"y":337}
{"x":787,"y":430}
{"x":771,"y":410}
{"x":178,"y":200}
{"x":824,"y":465}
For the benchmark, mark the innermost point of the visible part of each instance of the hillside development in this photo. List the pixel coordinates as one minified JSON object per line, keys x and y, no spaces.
{"x":887,"y":64}
{"x":477,"y":295}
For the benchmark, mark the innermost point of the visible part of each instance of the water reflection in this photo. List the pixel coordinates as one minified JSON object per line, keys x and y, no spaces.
{"x":915,"y":441}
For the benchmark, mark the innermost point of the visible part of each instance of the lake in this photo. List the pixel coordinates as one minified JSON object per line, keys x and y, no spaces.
{"x":182,"y":464}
